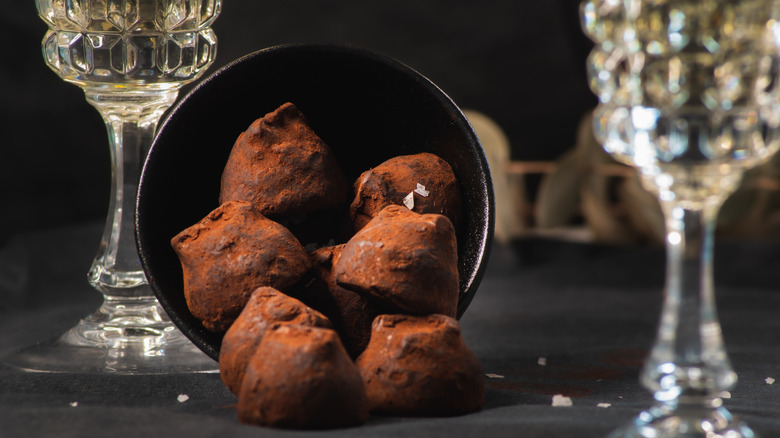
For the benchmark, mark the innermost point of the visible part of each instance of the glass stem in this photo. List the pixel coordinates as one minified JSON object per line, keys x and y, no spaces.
{"x":131,"y":118}
{"x":688,"y":363}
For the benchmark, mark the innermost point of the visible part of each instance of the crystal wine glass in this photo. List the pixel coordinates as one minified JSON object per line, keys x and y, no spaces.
{"x":130,"y":57}
{"x":688,"y":95}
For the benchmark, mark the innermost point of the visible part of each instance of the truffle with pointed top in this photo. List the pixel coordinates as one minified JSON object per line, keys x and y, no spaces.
{"x":301,"y":377}
{"x":283,"y":168}
{"x":404,"y":261}
{"x":420,"y":366}
{"x":266,"y":306}
{"x":230,"y":253}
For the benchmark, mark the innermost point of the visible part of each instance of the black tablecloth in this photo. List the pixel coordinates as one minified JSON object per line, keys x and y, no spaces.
{"x":549,"y":318}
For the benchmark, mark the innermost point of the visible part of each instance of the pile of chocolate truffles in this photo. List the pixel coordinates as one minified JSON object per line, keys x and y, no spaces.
{"x":335,"y":301}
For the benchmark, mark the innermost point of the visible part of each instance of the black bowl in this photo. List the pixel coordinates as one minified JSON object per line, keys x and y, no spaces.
{"x":365,"y":106}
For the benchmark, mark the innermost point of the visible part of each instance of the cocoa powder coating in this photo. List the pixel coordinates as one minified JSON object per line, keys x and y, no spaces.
{"x":391,"y":181}
{"x":301,"y":377}
{"x":266,"y":307}
{"x":420,"y":366}
{"x":405,"y":261}
{"x":282,"y":167}
{"x":296,"y":320}
{"x":350,"y":313}
{"x":230,"y":253}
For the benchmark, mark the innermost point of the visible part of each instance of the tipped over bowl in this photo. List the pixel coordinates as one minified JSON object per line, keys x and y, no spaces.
{"x":366,"y":106}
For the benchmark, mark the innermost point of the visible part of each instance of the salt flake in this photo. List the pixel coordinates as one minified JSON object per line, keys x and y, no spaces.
{"x":73,"y":404}
{"x":604,"y":405}
{"x":409,"y":201}
{"x":769,"y":380}
{"x":421,"y":190}
{"x":542,"y":361}
{"x":182,"y":398}
{"x":494,"y":376}
{"x":561,"y":400}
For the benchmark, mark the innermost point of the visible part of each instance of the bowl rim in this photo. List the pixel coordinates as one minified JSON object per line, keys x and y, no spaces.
{"x":483,"y":248}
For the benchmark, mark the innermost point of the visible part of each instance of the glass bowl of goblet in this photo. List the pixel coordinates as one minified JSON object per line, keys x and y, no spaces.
{"x":687,"y":95}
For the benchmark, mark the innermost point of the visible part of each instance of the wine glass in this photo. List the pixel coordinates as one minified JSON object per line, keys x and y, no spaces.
{"x":130,"y":57}
{"x":688,"y":95}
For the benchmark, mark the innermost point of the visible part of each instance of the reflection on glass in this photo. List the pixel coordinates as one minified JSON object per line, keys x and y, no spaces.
{"x":688,"y":95}
{"x":130,"y":57}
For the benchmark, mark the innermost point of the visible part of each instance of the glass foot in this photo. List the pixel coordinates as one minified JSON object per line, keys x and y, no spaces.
{"x":663,"y":421}
{"x":121,"y":337}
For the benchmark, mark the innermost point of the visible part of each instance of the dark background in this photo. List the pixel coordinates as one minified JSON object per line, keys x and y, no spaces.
{"x":521,"y":63}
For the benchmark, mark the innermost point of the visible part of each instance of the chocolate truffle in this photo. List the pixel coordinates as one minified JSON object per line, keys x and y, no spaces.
{"x":301,"y":377}
{"x":230,"y":253}
{"x":399,"y":177}
{"x":405,"y":261}
{"x":283,"y":168}
{"x":420,"y":366}
{"x":350,"y":313}
{"x":265,"y":307}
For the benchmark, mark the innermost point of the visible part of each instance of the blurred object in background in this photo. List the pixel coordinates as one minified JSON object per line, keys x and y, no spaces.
{"x":586,"y":195}
{"x":509,"y":189}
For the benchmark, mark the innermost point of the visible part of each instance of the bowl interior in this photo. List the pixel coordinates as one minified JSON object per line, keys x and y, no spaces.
{"x":365,"y":106}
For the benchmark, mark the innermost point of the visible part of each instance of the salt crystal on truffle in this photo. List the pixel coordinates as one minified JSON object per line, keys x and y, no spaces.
{"x":388,"y":183}
{"x":420,"y":190}
{"x":409,"y":201}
